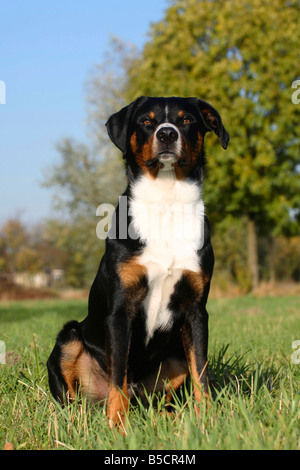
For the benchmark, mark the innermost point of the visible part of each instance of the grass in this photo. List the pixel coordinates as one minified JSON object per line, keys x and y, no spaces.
{"x":255,"y":385}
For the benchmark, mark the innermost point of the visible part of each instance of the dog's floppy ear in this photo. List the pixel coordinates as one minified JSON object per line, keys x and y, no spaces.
{"x":212,"y":120}
{"x":118,"y":124}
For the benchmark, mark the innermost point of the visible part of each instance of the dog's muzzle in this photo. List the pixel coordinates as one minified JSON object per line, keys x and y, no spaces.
{"x":168,"y":143}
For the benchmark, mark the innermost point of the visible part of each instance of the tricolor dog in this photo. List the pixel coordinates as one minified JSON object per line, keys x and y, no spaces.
{"x":147,"y":323}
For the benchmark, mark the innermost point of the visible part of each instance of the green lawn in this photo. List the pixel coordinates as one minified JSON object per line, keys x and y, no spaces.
{"x":255,"y":384}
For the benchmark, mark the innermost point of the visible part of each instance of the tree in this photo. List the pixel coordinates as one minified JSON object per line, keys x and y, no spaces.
{"x":13,"y":240}
{"x":24,"y":249}
{"x":82,"y":181}
{"x":241,"y":57}
{"x":89,"y":175}
{"x":77,"y":248}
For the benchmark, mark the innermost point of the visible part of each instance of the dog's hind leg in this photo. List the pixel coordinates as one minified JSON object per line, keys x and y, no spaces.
{"x":72,"y":368}
{"x":169,"y":377}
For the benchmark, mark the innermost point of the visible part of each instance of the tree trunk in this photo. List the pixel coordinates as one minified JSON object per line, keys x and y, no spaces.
{"x":252,"y":252}
{"x":272,"y":252}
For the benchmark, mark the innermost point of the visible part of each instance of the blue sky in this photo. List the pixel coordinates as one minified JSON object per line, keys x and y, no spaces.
{"x":47,"y":50}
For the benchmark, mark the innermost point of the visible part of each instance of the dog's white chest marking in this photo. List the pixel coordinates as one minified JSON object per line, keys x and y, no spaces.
{"x":168,"y":215}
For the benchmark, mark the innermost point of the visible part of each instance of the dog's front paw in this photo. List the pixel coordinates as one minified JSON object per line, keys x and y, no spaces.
{"x":118,"y":403}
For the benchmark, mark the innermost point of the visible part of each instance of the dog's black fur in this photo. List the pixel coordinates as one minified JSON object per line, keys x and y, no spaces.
{"x":107,"y":354}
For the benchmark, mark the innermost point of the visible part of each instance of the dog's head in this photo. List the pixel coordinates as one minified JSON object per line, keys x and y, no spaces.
{"x":165,"y":133}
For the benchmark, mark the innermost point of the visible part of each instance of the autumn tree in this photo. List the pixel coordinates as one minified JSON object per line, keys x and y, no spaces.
{"x":88,"y":175}
{"x":26,"y":249}
{"x":13,"y":246}
{"x":242,"y":56}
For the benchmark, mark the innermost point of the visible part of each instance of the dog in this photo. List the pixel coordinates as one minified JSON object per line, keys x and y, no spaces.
{"x":147,"y":323}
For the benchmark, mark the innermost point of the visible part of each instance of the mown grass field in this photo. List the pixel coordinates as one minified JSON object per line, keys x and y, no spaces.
{"x":255,"y":384}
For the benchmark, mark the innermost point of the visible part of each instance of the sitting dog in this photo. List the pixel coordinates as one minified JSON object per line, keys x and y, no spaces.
{"x":147,"y":323}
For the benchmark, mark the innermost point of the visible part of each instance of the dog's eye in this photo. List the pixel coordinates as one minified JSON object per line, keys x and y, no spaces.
{"x":186,"y":121}
{"x":146,"y":121}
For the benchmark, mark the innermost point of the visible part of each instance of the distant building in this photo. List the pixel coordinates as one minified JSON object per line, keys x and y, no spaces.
{"x":48,"y":278}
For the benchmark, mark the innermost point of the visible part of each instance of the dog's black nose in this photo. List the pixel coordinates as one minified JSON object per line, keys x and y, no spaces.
{"x":168,"y":135}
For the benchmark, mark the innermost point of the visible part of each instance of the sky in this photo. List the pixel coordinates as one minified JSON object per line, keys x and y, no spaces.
{"x":47,"y":51}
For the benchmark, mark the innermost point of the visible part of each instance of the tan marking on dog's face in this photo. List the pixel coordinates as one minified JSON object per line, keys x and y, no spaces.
{"x":190,"y":155}
{"x":144,"y":154}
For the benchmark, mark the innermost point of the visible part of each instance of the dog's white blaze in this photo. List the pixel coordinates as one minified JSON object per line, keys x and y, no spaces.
{"x":168,"y":215}
{"x":167,"y":111}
